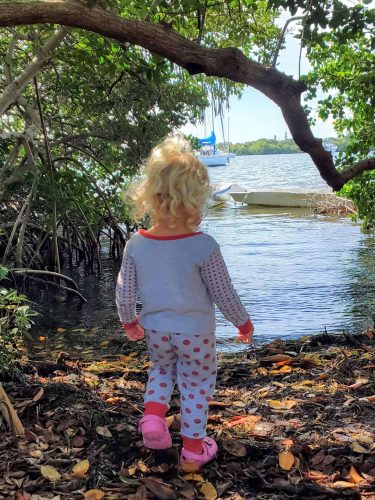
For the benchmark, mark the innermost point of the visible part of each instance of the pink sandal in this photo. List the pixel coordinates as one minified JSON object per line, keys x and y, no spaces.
{"x":190,"y":461}
{"x":155,"y":432}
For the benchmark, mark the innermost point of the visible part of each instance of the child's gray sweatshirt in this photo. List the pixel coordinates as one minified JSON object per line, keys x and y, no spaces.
{"x":178,"y":279}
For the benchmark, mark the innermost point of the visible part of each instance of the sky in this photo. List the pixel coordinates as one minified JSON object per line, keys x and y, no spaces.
{"x":254,"y":116}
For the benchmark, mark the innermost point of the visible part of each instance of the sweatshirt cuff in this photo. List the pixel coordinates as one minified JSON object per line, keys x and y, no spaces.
{"x":245,"y":328}
{"x":133,"y":323}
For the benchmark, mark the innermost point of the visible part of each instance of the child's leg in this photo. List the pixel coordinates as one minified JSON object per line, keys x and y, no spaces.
{"x":196,"y":378}
{"x":162,"y":379}
{"x":162,"y":374}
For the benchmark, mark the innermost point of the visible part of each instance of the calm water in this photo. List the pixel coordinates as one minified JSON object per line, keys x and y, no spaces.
{"x":295,"y":272}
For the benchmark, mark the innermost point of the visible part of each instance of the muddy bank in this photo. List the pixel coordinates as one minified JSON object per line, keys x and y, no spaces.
{"x":293,"y":419}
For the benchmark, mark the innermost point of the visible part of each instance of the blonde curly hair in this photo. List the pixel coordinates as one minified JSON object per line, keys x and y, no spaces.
{"x":175,"y":184}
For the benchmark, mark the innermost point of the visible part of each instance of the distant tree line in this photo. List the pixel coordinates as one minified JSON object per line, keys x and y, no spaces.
{"x":273,"y":146}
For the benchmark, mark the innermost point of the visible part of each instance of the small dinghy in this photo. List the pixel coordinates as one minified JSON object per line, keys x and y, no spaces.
{"x":283,"y":197}
{"x":220,"y":195}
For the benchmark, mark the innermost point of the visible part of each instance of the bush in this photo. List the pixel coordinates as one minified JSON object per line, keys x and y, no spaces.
{"x":15,"y":321}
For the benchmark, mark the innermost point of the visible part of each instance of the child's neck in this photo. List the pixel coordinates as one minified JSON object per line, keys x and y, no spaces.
{"x":159,"y":230}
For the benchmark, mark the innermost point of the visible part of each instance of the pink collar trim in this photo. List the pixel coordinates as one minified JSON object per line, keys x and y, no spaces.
{"x":144,"y":233}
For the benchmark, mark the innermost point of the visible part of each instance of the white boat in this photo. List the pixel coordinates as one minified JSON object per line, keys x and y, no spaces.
{"x":283,"y":197}
{"x":210,"y":156}
{"x":214,"y":160}
{"x":219,"y":196}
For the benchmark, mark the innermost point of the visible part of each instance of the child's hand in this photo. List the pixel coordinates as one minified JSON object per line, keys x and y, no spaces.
{"x":245,"y":332}
{"x":133,"y":330}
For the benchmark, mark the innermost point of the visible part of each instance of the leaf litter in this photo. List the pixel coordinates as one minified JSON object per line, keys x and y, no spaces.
{"x":275,"y":417}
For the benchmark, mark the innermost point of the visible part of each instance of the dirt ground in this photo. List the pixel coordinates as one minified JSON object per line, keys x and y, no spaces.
{"x":293,"y":419}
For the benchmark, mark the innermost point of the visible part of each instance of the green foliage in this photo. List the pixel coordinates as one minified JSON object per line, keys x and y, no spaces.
{"x":361,"y":191}
{"x":15,"y":321}
{"x":265,"y":147}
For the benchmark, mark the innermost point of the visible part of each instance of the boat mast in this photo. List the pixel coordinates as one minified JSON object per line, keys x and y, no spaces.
{"x":213,"y":121}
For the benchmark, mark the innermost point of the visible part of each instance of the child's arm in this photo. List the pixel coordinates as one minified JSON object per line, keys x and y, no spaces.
{"x":126,"y":297}
{"x":215,"y":275}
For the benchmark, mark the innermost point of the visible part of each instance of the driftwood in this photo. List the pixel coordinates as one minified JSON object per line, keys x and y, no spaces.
{"x":10,"y":414}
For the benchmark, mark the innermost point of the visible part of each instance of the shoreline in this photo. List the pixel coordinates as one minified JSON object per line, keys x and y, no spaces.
{"x":293,"y":418}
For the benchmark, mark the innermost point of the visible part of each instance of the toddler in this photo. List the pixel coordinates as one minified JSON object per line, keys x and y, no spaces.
{"x":179,"y":274}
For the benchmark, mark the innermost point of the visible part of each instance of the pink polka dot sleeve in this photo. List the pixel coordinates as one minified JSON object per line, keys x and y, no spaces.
{"x":127,"y":289}
{"x":216,"y":277}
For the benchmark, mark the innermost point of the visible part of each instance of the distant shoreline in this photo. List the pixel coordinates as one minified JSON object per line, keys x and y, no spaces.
{"x":272,"y":146}
{"x":270,"y":153}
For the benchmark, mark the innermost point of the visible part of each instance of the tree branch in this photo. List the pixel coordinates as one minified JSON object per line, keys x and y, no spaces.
{"x":281,"y":39}
{"x":12,"y":91}
{"x":357,"y":168}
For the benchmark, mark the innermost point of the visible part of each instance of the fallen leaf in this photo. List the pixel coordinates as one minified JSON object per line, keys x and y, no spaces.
{"x":218,"y":403}
{"x":188,"y":491}
{"x":235,"y":448}
{"x":93,"y":495}
{"x":243,"y":420}
{"x":142,"y":467}
{"x":103,"y":431}
{"x":36,"y":453}
{"x":208,"y":491}
{"x":50,"y":473}
{"x":123,"y":358}
{"x":189,"y":467}
{"x":239,"y":404}
{"x":194,"y":477}
{"x":286,"y":404}
{"x":370,"y":399}
{"x":282,"y":371}
{"x":358,"y":448}
{"x":286,"y":460}
{"x":140,"y":494}
{"x":78,"y":441}
{"x":161,"y":490}
{"x":104,"y":343}
{"x":223,"y":487}
{"x":132,"y":471}
{"x":343,"y":484}
{"x":328,"y":459}
{"x":274,"y":358}
{"x":315,"y":475}
{"x":354,"y":476}
{"x":80,"y":469}
{"x":317,"y":458}
{"x":60,"y":330}
{"x":38,"y":395}
{"x":287,"y":442}
{"x":41,"y":338}
{"x":359,"y":383}
{"x":262,"y":429}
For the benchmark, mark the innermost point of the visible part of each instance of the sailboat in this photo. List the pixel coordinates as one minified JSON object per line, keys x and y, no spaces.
{"x":210,"y":155}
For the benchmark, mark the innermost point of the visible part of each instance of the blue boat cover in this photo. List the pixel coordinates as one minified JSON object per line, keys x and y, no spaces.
{"x":208,"y":141}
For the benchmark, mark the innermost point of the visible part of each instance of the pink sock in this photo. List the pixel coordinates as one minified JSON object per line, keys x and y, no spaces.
{"x":194,"y":445}
{"x":154,"y":408}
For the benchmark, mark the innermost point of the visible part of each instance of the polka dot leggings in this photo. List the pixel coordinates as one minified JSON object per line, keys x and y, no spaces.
{"x":189,"y":360}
